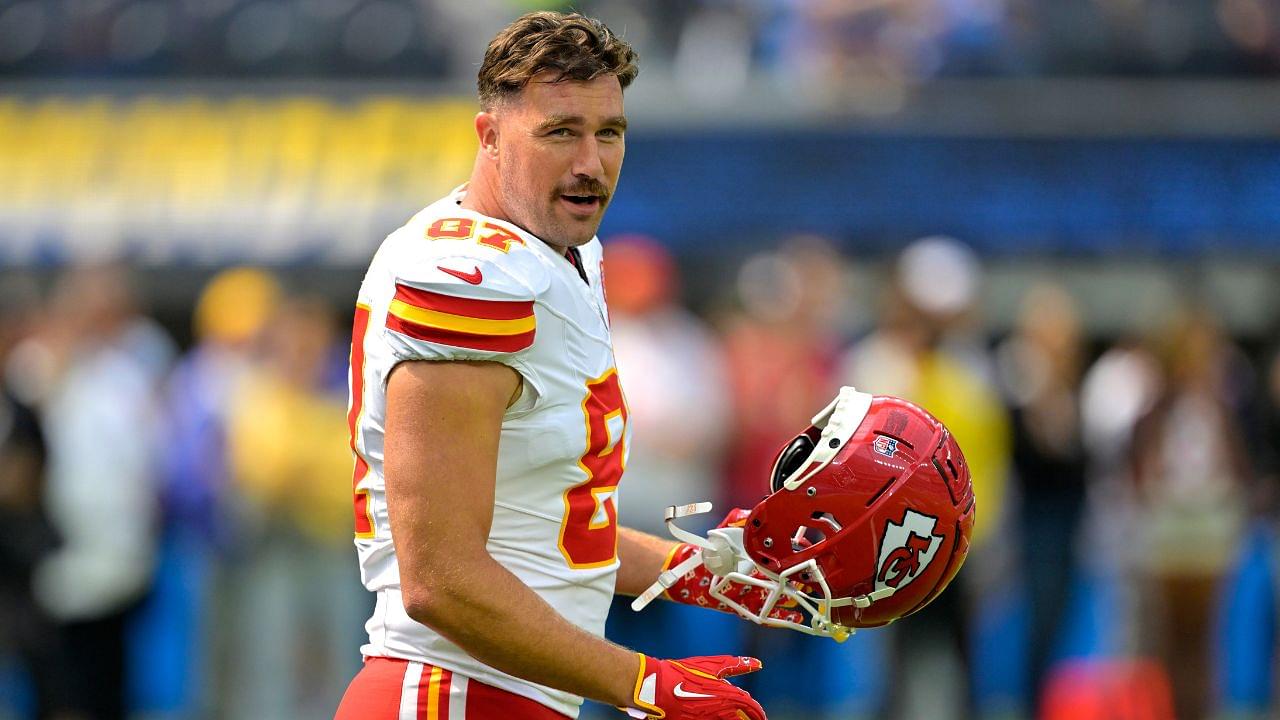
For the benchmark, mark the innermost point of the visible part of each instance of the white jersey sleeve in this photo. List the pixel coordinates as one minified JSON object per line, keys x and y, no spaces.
{"x":466,"y":303}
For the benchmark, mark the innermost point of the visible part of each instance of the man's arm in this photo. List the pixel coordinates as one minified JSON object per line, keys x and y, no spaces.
{"x":443,"y":424}
{"x":641,"y":558}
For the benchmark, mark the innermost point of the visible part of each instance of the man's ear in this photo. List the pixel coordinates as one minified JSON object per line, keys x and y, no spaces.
{"x":487,"y":133}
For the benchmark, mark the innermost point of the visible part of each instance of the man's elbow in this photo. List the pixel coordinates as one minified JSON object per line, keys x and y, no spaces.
{"x":435,"y":603}
{"x":423,"y":601}
{"x":437,"y":589}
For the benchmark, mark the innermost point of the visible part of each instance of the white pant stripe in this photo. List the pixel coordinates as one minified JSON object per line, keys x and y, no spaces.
{"x":409,"y":692}
{"x":458,"y":698}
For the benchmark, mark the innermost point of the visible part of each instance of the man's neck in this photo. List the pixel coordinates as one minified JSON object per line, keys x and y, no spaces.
{"x":483,"y":194}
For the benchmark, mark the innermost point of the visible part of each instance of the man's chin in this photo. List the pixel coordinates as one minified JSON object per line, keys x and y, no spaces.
{"x":576,"y":231}
{"x":567,"y":236}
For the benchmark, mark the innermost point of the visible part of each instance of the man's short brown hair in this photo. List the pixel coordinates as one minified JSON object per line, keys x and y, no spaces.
{"x":571,"y":45}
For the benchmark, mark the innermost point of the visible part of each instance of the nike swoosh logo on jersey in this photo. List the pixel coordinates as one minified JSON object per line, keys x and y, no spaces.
{"x":680,"y":692}
{"x":474,"y":277}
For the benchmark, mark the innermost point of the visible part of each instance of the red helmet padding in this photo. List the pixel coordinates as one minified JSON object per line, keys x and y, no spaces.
{"x":900,"y":458}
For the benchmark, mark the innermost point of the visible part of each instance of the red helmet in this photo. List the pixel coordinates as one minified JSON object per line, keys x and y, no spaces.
{"x":870,"y":512}
{"x":868,"y":519}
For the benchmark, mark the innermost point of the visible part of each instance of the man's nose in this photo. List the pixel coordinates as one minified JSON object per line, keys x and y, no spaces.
{"x":587,"y":162}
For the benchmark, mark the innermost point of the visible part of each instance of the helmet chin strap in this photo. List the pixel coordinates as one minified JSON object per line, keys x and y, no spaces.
{"x":722,"y":552}
{"x":724,"y":556}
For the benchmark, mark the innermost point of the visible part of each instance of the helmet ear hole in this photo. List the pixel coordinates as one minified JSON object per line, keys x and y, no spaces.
{"x":790,"y":459}
{"x":806,"y":537}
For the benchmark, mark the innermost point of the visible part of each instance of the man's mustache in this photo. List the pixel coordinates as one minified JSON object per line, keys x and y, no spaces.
{"x":586,"y":187}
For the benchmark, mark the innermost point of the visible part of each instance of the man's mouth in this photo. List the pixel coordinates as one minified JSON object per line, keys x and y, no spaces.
{"x":580,"y":204}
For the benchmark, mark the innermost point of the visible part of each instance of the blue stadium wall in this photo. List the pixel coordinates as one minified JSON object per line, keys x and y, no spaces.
{"x":721,"y":190}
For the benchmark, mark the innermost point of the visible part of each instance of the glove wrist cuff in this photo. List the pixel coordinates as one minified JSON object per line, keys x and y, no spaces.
{"x":645,"y":692}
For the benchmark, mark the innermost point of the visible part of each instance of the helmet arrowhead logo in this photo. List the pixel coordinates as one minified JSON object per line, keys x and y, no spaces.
{"x":906,"y":550}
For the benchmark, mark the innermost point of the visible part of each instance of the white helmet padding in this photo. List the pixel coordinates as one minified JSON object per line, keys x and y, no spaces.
{"x":836,"y":424}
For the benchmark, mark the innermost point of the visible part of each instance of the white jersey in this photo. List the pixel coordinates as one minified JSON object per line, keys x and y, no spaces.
{"x":452,"y":284}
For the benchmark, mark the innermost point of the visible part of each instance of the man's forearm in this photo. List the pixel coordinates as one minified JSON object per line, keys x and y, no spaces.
{"x":501,"y":622}
{"x":641,"y":557}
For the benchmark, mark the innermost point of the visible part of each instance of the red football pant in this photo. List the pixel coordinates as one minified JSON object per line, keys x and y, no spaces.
{"x":393,"y":689}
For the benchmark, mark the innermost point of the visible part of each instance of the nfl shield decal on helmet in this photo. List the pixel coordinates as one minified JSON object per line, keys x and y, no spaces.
{"x":884,"y":445}
{"x":906,"y":549}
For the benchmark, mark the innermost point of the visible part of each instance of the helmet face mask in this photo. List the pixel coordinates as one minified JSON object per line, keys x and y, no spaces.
{"x":870,"y":514}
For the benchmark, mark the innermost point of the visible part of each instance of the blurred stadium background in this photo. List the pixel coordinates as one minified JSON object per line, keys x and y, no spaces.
{"x":1054,"y":223}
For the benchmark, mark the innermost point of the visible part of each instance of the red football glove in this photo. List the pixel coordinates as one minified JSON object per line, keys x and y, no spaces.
{"x":694,"y":689}
{"x":695,"y":587}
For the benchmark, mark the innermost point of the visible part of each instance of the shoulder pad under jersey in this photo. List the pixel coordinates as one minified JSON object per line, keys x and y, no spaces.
{"x":456,"y":298}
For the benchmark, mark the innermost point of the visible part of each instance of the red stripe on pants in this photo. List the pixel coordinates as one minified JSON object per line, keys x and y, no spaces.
{"x":439,"y":688}
{"x":374,"y":694}
{"x":485,"y":702}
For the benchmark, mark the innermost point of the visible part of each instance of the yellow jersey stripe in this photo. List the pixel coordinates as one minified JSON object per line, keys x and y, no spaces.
{"x":459,"y":323}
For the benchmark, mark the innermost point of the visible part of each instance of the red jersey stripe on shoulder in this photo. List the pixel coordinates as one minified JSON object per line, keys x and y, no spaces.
{"x":467,"y":307}
{"x":471,"y":341}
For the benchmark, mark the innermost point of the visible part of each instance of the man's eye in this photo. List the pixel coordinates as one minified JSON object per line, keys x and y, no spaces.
{"x":561,"y":132}
{"x":611,"y":132}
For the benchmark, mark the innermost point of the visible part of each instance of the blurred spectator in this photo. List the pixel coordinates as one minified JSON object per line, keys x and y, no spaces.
{"x":26,"y":534}
{"x":782,"y":351}
{"x":1191,"y":470}
{"x":1120,"y":387}
{"x":298,"y":612}
{"x":1040,"y":366}
{"x":1246,"y":647}
{"x":927,"y":350}
{"x":198,"y":524}
{"x":676,"y":388}
{"x":229,"y":317}
{"x":96,"y":365}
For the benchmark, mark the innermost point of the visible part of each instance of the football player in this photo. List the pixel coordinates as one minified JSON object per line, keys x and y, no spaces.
{"x":490,"y":429}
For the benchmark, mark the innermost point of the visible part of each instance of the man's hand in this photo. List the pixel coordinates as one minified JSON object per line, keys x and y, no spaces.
{"x":694,"y":689}
{"x":694,"y":588}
